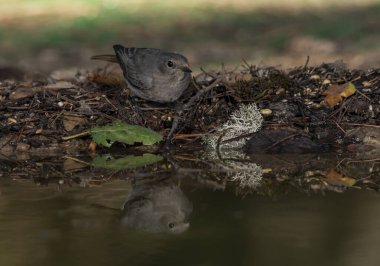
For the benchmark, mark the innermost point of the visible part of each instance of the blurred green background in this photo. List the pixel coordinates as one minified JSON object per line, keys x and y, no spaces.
{"x":46,"y":35}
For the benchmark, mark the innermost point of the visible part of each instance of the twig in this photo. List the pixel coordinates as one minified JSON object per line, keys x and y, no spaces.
{"x":363,"y":161}
{"x":208,"y":74}
{"x":84,"y":133}
{"x":218,"y":146}
{"x":365,"y":96}
{"x":76,"y":160}
{"x":187,"y":106}
{"x":113,"y":106}
{"x":362,"y":125}
{"x":307,"y":62}
{"x":340,"y":127}
{"x":185,"y":136}
{"x":247,"y":135}
{"x":246,"y":64}
{"x":280,"y":141}
{"x":200,"y":93}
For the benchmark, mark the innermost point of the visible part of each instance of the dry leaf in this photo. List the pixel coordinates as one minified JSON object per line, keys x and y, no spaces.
{"x":335,"y":93}
{"x":60,"y":85}
{"x":333,"y":99}
{"x":243,"y":77}
{"x":359,"y":148}
{"x":70,"y":165}
{"x":21,"y":93}
{"x":71,"y":121}
{"x":92,"y":148}
{"x":337,"y":179}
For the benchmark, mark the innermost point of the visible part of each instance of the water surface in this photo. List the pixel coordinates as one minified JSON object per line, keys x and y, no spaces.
{"x":48,"y":225}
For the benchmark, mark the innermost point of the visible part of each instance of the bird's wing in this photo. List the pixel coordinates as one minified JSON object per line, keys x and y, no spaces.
{"x":133,"y":62}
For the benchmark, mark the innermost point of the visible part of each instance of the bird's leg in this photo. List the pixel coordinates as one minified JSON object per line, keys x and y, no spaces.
{"x":179,"y":110}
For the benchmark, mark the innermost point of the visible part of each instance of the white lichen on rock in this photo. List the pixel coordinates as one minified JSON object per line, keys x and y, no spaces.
{"x":245,"y":120}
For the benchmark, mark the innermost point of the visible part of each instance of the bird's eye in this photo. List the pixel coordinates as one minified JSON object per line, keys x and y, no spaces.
{"x":170,"y":63}
{"x":171,"y":225}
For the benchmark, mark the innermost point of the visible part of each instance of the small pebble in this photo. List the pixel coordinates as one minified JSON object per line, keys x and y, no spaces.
{"x":266,"y":111}
{"x":266,"y":170}
{"x":326,"y":81}
{"x":22,"y":146}
{"x":366,"y":84}
{"x":12,"y":120}
{"x":315,"y":186}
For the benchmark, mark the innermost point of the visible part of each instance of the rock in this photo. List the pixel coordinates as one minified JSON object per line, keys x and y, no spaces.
{"x":21,"y":93}
{"x":281,"y":141}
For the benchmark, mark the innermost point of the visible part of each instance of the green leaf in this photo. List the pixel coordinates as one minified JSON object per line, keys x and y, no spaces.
{"x":127,"y":162}
{"x":129,"y":134}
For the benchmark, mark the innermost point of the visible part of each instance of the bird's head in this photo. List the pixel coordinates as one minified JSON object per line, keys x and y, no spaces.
{"x":173,"y":63}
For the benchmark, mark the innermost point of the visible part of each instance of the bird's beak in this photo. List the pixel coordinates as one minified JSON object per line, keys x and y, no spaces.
{"x":185,"y":69}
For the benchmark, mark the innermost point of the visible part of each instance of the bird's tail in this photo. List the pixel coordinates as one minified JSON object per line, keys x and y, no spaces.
{"x":105,"y":57}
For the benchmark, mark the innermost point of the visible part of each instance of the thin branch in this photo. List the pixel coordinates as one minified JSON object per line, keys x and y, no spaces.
{"x":187,"y":106}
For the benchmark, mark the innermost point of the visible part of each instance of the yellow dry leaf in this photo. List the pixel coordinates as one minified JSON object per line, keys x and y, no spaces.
{"x":335,"y":93}
{"x":337,"y":179}
{"x":333,"y":99}
{"x":349,"y":89}
{"x":91,"y":148}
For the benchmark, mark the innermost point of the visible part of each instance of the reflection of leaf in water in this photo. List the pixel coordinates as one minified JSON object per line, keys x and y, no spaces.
{"x":126,"y":162}
{"x":336,"y":179}
{"x":129,"y":134}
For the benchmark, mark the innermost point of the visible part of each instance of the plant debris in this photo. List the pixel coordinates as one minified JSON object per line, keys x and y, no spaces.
{"x":38,"y":113}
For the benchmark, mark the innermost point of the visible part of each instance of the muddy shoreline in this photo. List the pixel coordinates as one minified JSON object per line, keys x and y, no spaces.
{"x":36,"y":112}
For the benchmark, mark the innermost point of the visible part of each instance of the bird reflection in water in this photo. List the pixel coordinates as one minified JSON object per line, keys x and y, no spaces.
{"x":157,"y":206}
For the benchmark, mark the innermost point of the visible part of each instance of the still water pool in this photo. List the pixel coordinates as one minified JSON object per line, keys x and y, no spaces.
{"x":202,"y":225}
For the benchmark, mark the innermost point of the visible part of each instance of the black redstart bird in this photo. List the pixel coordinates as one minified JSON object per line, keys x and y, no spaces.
{"x":152,"y":74}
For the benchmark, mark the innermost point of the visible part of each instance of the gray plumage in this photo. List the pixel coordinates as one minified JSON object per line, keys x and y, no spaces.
{"x":153,"y":74}
{"x":157,"y":207}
